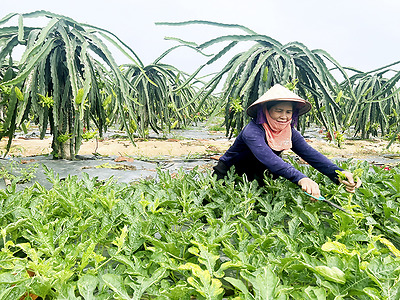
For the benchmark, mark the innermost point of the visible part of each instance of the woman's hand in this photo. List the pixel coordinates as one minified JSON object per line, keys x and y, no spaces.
{"x":349,"y":183}
{"x":310,"y":186}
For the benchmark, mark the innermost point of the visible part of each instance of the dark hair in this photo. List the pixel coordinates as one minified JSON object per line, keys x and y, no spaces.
{"x":269,"y":104}
{"x":260,"y":118}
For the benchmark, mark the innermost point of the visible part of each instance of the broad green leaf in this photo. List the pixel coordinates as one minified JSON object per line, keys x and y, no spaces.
{"x":390,"y":245}
{"x":145,"y":283}
{"x":205,"y":257}
{"x":120,"y":240}
{"x":393,"y":292}
{"x":336,"y":247}
{"x":179,"y":291}
{"x":30,"y":252}
{"x":8,"y":277}
{"x":240,"y":286}
{"x":6,"y":262}
{"x":228,"y":265}
{"x":116,"y":284}
{"x":216,"y":289}
{"x":87,"y":285}
{"x":373,"y":293}
{"x":196,"y":269}
{"x":315,"y":293}
{"x":265,"y":283}
{"x":67,"y":292}
{"x":131,"y":267}
{"x":331,"y":273}
{"x":13,"y":292}
{"x":381,"y":270}
{"x":208,"y":287}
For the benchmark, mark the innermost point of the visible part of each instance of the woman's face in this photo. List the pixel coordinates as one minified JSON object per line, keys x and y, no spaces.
{"x":281,"y":112}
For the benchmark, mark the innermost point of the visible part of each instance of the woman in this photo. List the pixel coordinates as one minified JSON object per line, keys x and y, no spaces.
{"x":257,"y":148}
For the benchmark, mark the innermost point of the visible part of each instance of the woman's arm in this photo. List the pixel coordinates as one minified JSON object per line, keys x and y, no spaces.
{"x":316,"y":159}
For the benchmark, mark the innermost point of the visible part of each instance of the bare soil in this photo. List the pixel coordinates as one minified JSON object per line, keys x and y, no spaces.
{"x":22,"y":147}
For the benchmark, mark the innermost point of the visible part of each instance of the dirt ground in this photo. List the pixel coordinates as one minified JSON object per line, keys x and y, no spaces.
{"x":152,"y":148}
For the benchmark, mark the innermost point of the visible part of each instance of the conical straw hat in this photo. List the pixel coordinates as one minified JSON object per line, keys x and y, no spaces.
{"x":279,"y":93}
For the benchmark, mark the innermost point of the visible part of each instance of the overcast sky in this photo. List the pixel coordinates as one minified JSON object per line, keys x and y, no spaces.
{"x":358,"y":33}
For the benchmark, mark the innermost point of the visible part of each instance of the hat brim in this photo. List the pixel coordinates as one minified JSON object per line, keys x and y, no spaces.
{"x":302,"y":105}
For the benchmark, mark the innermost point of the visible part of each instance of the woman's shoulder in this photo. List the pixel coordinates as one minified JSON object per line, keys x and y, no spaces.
{"x":296,"y":133}
{"x":252,"y":127}
{"x":252,"y":132}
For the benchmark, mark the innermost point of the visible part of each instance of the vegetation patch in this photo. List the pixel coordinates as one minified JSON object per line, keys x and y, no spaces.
{"x":189,"y":236}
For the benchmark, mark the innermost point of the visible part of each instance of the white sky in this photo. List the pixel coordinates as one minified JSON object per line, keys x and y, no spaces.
{"x":364,"y":34}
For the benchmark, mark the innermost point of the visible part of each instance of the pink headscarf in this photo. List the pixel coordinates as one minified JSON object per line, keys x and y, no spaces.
{"x":279,"y":134}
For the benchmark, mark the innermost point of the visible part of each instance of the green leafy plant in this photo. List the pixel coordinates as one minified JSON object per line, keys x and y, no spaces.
{"x":375,"y":106}
{"x":15,"y":172}
{"x":159,"y":104}
{"x":251,"y":73}
{"x":188,"y":235}
{"x":46,"y":101}
{"x":65,"y":75}
{"x":88,"y":135}
{"x":364,"y":99}
{"x":62,"y":138}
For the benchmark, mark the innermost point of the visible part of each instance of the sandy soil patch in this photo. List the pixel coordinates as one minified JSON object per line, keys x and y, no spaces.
{"x":123,"y":147}
{"x":356,"y":148}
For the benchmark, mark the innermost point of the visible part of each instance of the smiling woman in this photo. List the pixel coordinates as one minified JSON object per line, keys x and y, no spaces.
{"x":257,"y":150}
{"x":281,"y":112}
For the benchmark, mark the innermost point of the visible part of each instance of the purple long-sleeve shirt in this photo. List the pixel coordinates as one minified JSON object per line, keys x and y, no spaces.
{"x":250,"y":153}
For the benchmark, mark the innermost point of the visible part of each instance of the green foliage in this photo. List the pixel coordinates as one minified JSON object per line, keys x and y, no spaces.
{"x":374,"y":108}
{"x":46,"y":101}
{"x":62,"y":138}
{"x":366,"y":100}
{"x":189,"y":235}
{"x":251,"y":73}
{"x":65,"y":75}
{"x":88,"y":135}
{"x":16,"y":173}
{"x":236,"y":106}
{"x":67,"y":79}
{"x":158,"y":103}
